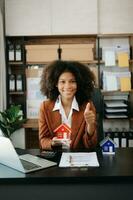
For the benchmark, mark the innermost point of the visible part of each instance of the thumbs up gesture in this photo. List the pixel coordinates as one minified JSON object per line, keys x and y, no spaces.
{"x":90,"y":117}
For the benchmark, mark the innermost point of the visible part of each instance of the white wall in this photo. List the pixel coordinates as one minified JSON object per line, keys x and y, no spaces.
{"x":58,"y":17}
{"x":28,"y":17}
{"x":74,"y":17}
{"x":50,"y":17}
{"x":115,"y":16}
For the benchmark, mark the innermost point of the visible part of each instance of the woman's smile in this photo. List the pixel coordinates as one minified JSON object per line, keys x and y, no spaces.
{"x":67,"y":85}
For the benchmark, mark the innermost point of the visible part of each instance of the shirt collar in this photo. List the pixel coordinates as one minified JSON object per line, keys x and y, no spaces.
{"x":58,"y":104}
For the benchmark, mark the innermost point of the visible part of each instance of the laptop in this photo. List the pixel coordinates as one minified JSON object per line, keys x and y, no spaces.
{"x":24,"y":163}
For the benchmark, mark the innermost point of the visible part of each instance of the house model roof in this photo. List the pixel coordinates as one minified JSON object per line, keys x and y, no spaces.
{"x":63,"y":128}
{"x":106,"y":139}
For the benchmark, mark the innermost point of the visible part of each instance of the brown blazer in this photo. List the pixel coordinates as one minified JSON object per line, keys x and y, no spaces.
{"x":49,"y":120}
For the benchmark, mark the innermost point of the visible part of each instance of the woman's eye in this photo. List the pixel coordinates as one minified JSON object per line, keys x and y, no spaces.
{"x":73,"y":81}
{"x":61,"y":81}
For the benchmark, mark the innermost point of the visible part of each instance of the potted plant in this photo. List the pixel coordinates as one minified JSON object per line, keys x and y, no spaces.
{"x":11,"y":120}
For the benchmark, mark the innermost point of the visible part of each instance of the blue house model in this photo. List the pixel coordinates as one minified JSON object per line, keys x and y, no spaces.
{"x":108,"y":146}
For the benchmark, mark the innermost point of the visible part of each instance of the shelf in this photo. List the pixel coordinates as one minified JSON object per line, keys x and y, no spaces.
{"x":16,"y":93}
{"x":114,"y":91}
{"x":15,"y":63}
{"x":103,"y":62}
{"x":45,"y":63}
{"x":121,"y":35}
{"x":31,"y":123}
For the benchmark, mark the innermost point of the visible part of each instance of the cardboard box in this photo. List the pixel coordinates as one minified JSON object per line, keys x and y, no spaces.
{"x":77,"y":52}
{"x":41,"y":53}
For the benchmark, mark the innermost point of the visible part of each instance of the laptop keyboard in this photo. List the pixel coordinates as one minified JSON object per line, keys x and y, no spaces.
{"x":29,"y":165}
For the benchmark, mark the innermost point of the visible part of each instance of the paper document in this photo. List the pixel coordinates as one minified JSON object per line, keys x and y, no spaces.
{"x":111,"y":116}
{"x":114,"y":104}
{"x":111,"y":83}
{"x":79,"y":160}
{"x":109,"y":58}
{"x":109,"y":110}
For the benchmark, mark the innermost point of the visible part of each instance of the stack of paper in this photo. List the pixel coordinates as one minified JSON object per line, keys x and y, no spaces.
{"x":115,"y":109}
{"x":113,"y":81}
{"x":79,"y":159}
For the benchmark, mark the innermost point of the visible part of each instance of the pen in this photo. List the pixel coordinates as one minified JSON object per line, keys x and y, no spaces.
{"x":70,"y":160}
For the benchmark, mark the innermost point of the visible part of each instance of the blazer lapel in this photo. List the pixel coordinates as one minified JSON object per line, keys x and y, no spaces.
{"x":55,"y":119}
{"x":77,"y":118}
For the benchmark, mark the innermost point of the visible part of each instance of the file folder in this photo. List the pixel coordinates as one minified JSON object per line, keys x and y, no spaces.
{"x":123,"y":59}
{"x":125,"y":84}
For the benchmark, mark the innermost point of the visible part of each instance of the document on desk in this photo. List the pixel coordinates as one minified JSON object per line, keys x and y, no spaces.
{"x":80,"y":159}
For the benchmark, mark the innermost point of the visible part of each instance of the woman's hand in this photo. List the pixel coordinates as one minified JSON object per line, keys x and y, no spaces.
{"x":90,"y":119}
{"x":60,"y":142}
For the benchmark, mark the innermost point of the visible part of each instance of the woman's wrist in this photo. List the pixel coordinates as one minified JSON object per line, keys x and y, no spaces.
{"x":90,"y":130}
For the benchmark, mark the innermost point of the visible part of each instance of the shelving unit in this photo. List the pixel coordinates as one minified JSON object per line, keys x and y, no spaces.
{"x":15,"y":76}
{"x":117,"y":127}
{"x":20,"y":67}
{"x":97,"y":64}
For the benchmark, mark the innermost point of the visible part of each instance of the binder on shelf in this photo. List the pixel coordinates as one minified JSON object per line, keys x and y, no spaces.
{"x":117,"y":139}
{"x":120,"y":138}
{"x":130,"y":139}
{"x":123,"y":140}
{"x":11,"y":52}
{"x":11,"y":82}
{"x":19,"y":82}
{"x":18,"y":52}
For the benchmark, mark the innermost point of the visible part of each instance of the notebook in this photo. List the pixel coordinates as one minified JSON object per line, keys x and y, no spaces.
{"x":24,"y":163}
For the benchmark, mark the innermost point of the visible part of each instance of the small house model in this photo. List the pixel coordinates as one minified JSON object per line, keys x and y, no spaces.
{"x":63,"y":131}
{"x":108,"y":146}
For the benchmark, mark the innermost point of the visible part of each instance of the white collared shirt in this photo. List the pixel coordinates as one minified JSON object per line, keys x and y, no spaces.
{"x":64,"y":118}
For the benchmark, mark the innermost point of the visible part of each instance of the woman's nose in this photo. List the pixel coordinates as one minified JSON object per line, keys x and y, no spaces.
{"x":67,"y":85}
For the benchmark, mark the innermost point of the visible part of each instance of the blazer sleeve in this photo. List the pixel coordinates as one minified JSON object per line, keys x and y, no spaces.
{"x":91,"y":141}
{"x":44,"y":132}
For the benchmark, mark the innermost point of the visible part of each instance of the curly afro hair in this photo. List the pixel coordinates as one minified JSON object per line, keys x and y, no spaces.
{"x":84,"y":77}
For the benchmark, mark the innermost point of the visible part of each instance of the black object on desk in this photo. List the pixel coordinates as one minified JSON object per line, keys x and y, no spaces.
{"x":47,"y":154}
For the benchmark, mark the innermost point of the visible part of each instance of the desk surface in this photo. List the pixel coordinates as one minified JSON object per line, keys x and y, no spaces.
{"x":113,"y":168}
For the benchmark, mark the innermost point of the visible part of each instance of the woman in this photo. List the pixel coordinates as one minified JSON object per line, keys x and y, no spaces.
{"x":68,"y":86}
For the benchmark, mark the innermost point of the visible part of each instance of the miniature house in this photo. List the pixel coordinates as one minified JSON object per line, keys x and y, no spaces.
{"x":62,"y":132}
{"x":108,"y":146}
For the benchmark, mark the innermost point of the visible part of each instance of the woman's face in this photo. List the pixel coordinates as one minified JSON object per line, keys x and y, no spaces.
{"x":67,"y":85}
